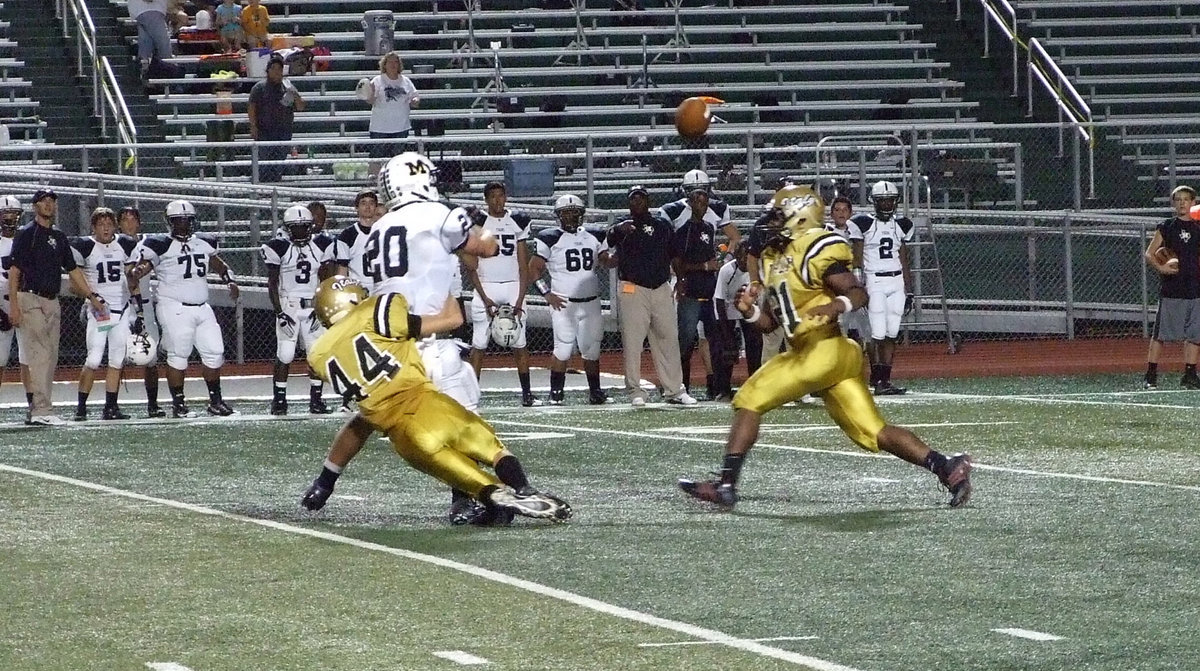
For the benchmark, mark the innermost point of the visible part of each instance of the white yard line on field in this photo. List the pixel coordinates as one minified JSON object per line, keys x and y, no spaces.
{"x":859,"y":454}
{"x":460,"y":657}
{"x":758,"y":640}
{"x":167,"y":666}
{"x":589,"y":603}
{"x":1031,"y":635}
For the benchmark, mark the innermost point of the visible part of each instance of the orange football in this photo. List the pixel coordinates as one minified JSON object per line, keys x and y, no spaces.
{"x":1165,"y":256}
{"x":1194,"y":213}
{"x":692,"y":116}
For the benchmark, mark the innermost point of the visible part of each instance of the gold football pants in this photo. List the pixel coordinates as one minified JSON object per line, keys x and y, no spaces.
{"x":437,"y":436}
{"x":830,"y":368}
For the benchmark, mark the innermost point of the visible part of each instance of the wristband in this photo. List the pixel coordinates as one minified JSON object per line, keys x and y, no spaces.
{"x":753,"y":316}
{"x":542,"y":286}
{"x":414,"y":327}
{"x":847,"y":304}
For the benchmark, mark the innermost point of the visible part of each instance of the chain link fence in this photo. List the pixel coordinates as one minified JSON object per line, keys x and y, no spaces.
{"x":1017,"y":258}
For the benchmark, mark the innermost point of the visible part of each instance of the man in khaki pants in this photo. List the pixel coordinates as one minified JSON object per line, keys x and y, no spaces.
{"x":642,"y":246}
{"x":40,"y":254}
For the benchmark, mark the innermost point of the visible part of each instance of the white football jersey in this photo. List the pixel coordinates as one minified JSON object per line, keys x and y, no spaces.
{"x":298,"y":265}
{"x":572,"y":259}
{"x":144,"y":286}
{"x":680,"y":212}
{"x":348,"y":251}
{"x":881,"y":240}
{"x":729,"y":281}
{"x":181,"y":267}
{"x":104,"y":266}
{"x":412,"y":251}
{"x":510,"y":230}
{"x":844,"y":232}
{"x":5,"y":263}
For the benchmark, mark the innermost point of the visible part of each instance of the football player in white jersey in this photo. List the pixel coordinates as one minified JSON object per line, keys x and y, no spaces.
{"x":129,"y":222}
{"x":572,"y":255}
{"x":183,"y":262}
{"x":103,"y":256}
{"x":855,"y":324}
{"x":879,"y":249}
{"x":293,"y":263}
{"x":10,"y":220}
{"x":348,"y":252}
{"x":716,"y":211}
{"x":412,"y":253}
{"x":501,"y":280}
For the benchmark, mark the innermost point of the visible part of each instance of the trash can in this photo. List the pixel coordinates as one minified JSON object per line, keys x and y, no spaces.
{"x":256,"y":62}
{"x":379,"y":31}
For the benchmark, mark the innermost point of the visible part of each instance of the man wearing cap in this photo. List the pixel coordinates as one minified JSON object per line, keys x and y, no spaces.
{"x":642,"y":247}
{"x":696,"y":189}
{"x":274,"y":102}
{"x":40,"y":255}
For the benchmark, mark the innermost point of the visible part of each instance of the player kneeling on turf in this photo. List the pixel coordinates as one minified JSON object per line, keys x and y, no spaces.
{"x":369,"y":355}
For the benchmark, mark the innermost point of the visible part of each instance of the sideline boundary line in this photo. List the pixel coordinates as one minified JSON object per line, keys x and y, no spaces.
{"x":589,"y":603}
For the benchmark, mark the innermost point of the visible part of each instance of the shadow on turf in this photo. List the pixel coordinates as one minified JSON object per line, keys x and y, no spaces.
{"x":863,"y":520}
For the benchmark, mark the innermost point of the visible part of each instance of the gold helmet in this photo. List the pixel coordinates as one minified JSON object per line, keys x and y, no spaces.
{"x":336,"y":297}
{"x":794,"y":210}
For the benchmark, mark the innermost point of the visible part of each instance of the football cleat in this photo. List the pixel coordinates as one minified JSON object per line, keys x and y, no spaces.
{"x":889,"y":389}
{"x":113,"y":412}
{"x":1150,"y":383}
{"x":556,"y":397}
{"x":316,"y":496}
{"x":529,"y":400}
{"x":528,"y":502}
{"x":711,"y":491}
{"x":1190,"y":381}
{"x":153,"y":411}
{"x":316,"y":406}
{"x":682,"y":399}
{"x":597,"y":397}
{"x":638,"y":401}
{"x":955,"y":476}
{"x":470,"y":511}
{"x":219,"y":408}
{"x":80,"y":416}
{"x":181,"y":411}
{"x":279,"y":406}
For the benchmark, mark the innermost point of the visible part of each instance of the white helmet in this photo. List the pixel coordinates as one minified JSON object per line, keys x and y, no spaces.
{"x":505,"y":327}
{"x":140,"y":350}
{"x":9,"y":203}
{"x":408,"y":173}
{"x":696,"y":180}
{"x":569,"y":203}
{"x":181,"y":218}
{"x":884,"y":195}
{"x":297,"y":224}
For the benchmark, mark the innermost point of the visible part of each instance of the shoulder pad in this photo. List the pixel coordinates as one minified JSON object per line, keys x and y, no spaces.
{"x":674,"y":209}
{"x":209,"y":238}
{"x":863,"y":221}
{"x":718,"y":207}
{"x":599,"y":233}
{"x":158,"y":243}
{"x":521,"y":219}
{"x":278,"y":245}
{"x":478,"y":217}
{"x":83,"y":244}
{"x":348,"y":235}
{"x":549,"y":236}
{"x":127,"y":242}
{"x":905,"y":224}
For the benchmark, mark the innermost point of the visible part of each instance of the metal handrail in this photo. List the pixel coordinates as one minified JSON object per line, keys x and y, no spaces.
{"x":1010,"y":31}
{"x":1080,"y":114}
{"x":126,"y":128}
{"x":85,"y":36}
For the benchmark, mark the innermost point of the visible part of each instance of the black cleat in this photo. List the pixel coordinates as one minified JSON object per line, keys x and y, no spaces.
{"x":1150,"y":383}
{"x":80,"y":416}
{"x":955,"y":476}
{"x":889,"y":389}
{"x":529,"y":502}
{"x":711,"y":491}
{"x":153,"y":411}
{"x":474,"y":513}
{"x":113,"y":412}
{"x":597,"y":397}
{"x":1190,"y":381}
{"x":219,"y":408}
{"x":181,"y":411}
{"x":556,"y":397}
{"x":279,"y":406}
{"x":315,"y":497}
{"x":316,"y":406}
{"x":529,"y":400}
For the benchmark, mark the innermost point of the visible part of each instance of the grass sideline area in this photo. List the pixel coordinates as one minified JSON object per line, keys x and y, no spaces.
{"x":148,"y":544}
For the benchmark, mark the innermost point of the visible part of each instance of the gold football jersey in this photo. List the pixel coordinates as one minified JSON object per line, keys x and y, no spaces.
{"x":794,"y":279}
{"x":369,"y":356}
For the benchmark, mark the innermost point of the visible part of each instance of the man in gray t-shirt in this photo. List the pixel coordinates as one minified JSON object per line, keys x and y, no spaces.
{"x":274,"y":102}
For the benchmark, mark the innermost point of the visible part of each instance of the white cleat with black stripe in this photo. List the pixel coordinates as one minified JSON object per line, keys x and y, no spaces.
{"x":529,"y":502}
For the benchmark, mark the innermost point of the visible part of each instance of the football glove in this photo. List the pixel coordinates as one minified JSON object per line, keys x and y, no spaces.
{"x":312,"y":323}
{"x":316,"y":496}
{"x":139,"y":325}
{"x":287,"y":325}
{"x":908,"y":303}
{"x":5,"y":322}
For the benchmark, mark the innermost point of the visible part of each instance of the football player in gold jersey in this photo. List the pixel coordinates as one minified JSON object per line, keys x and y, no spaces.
{"x":808,"y":278}
{"x":369,"y":354}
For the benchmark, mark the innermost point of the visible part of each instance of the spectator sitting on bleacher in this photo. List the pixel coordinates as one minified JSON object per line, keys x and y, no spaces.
{"x":204,"y":15}
{"x":176,"y":16}
{"x":391,"y":96}
{"x":255,"y":25}
{"x":229,"y":22}
{"x":154,"y":36}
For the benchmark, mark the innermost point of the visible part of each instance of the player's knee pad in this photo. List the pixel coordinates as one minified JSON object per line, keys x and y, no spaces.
{"x":177,"y":362}
{"x":212,"y":359}
{"x":590,"y":351}
{"x":563,"y":350}
{"x":285,"y":351}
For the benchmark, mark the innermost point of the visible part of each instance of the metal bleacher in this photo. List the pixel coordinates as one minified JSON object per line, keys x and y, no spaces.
{"x":18,"y":111}
{"x":1131,"y":61}
{"x":780,"y":67}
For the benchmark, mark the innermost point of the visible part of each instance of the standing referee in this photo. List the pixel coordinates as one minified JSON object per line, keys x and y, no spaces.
{"x":40,"y":254}
{"x":642,"y":244}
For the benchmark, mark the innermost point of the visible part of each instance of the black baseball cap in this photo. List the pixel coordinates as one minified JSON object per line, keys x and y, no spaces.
{"x":43,"y":193}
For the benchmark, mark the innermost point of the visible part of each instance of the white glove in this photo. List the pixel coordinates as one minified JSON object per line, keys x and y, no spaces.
{"x":287,"y":325}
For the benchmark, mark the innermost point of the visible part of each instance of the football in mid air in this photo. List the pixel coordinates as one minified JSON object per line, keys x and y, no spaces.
{"x":693,"y":116}
{"x":1166,"y":257}
{"x":1194,"y":213}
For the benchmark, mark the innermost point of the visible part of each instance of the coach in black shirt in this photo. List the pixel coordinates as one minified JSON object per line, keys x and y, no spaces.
{"x":40,"y":254}
{"x":642,"y":246}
